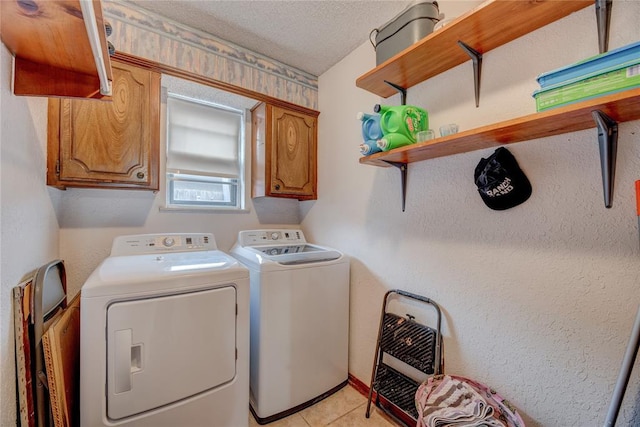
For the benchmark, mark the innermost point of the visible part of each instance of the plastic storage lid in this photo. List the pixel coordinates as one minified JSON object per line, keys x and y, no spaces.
{"x":596,"y":64}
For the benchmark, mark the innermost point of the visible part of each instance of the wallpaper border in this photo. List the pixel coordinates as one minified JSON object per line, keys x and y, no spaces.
{"x":156,"y":38}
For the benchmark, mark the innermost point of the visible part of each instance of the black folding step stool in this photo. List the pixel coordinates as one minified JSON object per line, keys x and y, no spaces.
{"x":416,"y":345}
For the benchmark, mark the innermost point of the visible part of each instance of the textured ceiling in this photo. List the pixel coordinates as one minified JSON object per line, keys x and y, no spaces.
{"x":311,"y":35}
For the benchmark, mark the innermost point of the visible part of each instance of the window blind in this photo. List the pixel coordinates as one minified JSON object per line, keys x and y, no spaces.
{"x":202,"y":138}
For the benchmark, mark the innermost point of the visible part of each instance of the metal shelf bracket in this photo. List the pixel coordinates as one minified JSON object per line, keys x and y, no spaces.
{"x":603,"y":19}
{"x":608,"y":142}
{"x":403,"y":176}
{"x":403,"y":92}
{"x":476,"y":57}
{"x":400,"y":165}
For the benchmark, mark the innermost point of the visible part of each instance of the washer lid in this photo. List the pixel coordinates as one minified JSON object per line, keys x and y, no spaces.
{"x":118,"y":275}
{"x":297,"y":254}
{"x":281,"y":246}
{"x":286,"y":254}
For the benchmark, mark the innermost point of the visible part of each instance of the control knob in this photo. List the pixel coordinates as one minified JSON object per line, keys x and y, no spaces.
{"x":168,"y":241}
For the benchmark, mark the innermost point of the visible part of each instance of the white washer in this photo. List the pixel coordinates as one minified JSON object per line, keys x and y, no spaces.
{"x":299,"y":320}
{"x":164,"y":335}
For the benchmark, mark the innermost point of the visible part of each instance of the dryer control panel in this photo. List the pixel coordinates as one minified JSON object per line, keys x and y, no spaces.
{"x":270,"y":237}
{"x":140,"y":244}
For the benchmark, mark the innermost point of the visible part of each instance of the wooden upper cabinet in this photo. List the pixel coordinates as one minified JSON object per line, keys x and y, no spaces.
{"x":284,"y":156}
{"x":110,"y":144}
{"x":50,"y":42}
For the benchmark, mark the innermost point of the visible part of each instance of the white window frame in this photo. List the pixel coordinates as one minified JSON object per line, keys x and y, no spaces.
{"x":173,"y":177}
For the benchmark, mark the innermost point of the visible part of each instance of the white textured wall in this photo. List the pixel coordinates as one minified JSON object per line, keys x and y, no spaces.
{"x":538,"y":300}
{"x":28,"y":222}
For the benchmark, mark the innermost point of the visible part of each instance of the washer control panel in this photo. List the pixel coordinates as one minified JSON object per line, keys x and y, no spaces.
{"x":153,"y":243}
{"x":270,"y":237}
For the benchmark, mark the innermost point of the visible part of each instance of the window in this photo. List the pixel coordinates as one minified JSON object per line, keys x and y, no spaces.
{"x":205,"y":154}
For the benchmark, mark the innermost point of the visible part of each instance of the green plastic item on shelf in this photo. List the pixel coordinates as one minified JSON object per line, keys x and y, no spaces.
{"x":402,"y":119}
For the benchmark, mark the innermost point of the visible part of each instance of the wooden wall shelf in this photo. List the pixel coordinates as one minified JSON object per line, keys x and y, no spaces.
{"x":492,"y":24}
{"x":488,"y":26}
{"x":621,"y":107}
{"x":53,"y":55}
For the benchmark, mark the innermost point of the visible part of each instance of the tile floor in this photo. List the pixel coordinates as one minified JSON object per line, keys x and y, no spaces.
{"x":345,"y":408}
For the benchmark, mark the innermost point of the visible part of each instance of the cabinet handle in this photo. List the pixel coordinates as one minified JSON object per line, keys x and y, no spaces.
{"x":277,"y":186}
{"x":140,"y":175}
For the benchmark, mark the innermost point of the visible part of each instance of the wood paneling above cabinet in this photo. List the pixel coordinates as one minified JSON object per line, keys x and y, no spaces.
{"x":53,"y":55}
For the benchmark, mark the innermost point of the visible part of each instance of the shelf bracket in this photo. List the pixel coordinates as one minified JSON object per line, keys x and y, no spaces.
{"x":608,"y":141}
{"x":403,"y":177}
{"x":476,"y":57}
{"x":403,"y":92}
{"x":603,"y":18}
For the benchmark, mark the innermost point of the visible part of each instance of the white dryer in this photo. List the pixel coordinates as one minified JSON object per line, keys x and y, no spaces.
{"x":299,"y":320}
{"x":164,"y":336}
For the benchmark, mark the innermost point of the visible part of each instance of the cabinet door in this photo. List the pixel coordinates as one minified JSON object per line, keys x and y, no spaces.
{"x":293,"y":154}
{"x":108,"y":144}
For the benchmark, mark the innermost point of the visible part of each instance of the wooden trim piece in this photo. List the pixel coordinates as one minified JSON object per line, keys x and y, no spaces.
{"x":491,"y":24}
{"x":35,"y":79}
{"x":361,"y":387}
{"x":24,"y":381}
{"x":53,"y":143}
{"x":154,"y":129}
{"x":176,"y":72}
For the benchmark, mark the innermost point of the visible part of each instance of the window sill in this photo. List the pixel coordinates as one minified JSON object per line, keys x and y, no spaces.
{"x":180,"y":209}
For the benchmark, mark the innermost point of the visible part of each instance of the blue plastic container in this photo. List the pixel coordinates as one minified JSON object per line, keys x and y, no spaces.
{"x":369,"y":147}
{"x":371,"y":130}
{"x":596,"y":64}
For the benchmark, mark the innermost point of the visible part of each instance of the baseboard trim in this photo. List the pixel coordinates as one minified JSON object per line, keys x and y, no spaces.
{"x":361,"y":387}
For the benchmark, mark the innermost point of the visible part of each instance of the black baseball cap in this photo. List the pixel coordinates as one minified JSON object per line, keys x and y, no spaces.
{"x":500,"y":181}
